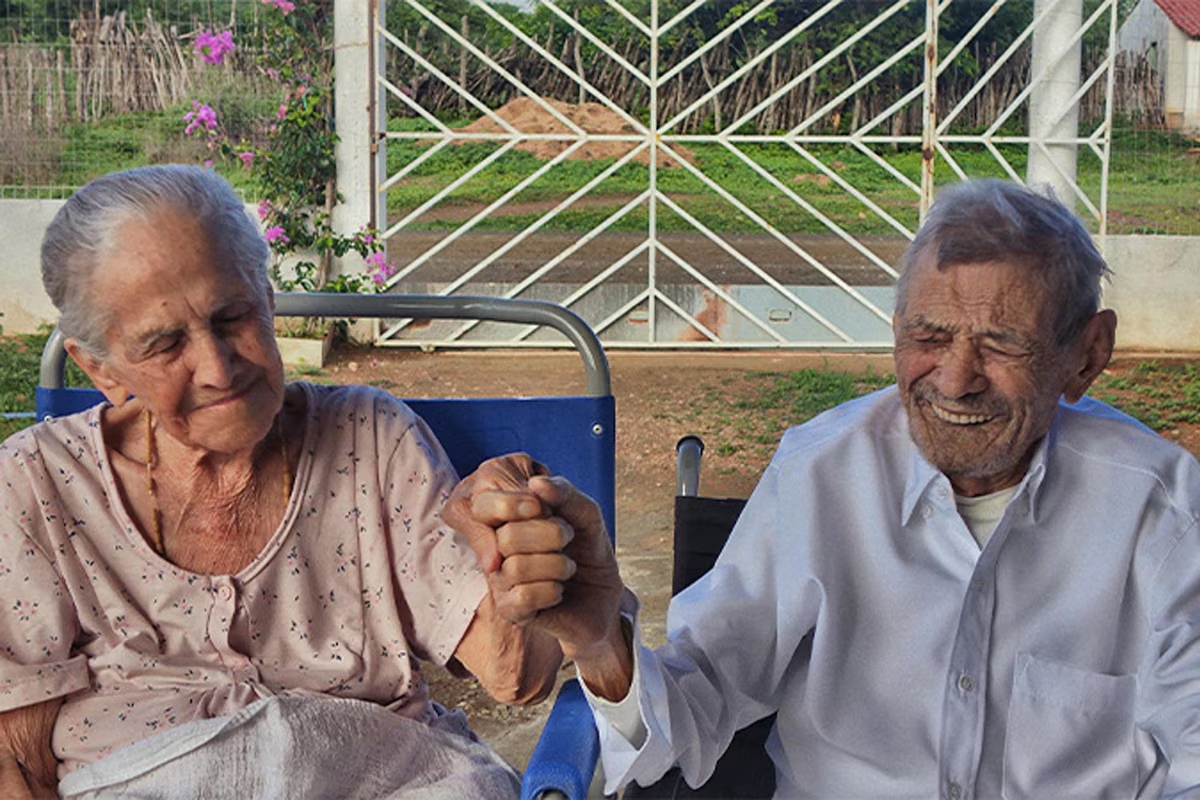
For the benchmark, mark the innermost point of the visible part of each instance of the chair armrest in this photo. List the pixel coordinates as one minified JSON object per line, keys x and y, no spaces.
{"x":565,"y":756}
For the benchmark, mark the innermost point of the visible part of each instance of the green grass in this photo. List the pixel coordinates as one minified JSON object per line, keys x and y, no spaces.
{"x":1163,"y":396}
{"x":744,"y":416}
{"x":1151,"y":185}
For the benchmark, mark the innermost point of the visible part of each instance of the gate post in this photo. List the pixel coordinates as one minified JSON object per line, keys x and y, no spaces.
{"x":352,"y":105}
{"x":1053,"y":108}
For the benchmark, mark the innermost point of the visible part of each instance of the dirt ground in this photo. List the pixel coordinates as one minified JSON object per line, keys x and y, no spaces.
{"x":656,"y":394}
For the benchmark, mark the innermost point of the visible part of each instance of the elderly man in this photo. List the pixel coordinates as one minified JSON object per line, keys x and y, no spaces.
{"x":977,"y":583}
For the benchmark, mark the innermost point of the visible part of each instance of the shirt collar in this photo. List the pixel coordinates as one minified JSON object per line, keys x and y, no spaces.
{"x":922,"y":475}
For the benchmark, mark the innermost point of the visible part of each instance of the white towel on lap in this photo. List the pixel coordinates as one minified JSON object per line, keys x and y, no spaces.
{"x":302,"y":747}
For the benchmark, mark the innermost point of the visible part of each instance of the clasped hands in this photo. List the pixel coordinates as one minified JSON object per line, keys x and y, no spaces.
{"x":547,"y":556}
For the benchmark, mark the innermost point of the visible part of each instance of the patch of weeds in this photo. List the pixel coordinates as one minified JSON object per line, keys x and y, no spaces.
{"x":1161,"y":395}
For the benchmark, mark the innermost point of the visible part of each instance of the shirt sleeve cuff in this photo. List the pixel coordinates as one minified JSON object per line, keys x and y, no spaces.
{"x":624,"y":716}
{"x":26,"y":684}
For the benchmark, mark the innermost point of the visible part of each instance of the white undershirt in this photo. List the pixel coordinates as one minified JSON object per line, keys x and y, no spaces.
{"x":982,"y":514}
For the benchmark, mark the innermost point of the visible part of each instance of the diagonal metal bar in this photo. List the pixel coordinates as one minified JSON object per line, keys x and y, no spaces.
{"x":563,"y":68}
{"x":483,"y":214}
{"x":944,"y":62}
{"x":681,"y":16}
{"x":741,"y":71}
{"x":862,"y":197}
{"x":887,"y":113}
{"x":762,"y":274}
{"x":824,"y":220}
{"x":553,"y":263}
{"x":432,"y":69}
{"x":853,"y":88}
{"x":496,"y":67}
{"x":412,"y":166}
{"x":1036,"y":80}
{"x":601,"y":44}
{"x":986,"y":77}
{"x":624,"y":309}
{"x":445,"y":192}
{"x":588,"y":287}
{"x":1004,"y":162}
{"x":801,"y":252}
{"x":816,"y":66}
{"x":628,"y":15}
{"x":784,"y":240}
{"x":940,"y":146}
{"x":726,"y":33}
{"x":703,"y":279}
{"x":396,"y":91}
{"x":887,"y":166}
{"x":688,"y":318}
{"x":580,"y":243}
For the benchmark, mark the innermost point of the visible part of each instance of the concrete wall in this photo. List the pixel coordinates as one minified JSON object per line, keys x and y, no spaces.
{"x":1155,"y":289}
{"x":23,"y":302}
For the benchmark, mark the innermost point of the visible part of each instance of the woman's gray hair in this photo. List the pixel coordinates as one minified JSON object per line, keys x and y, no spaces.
{"x":994,"y":220}
{"x":84,"y":231}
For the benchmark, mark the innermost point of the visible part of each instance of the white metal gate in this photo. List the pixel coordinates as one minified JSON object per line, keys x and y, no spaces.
{"x":759,"y":200}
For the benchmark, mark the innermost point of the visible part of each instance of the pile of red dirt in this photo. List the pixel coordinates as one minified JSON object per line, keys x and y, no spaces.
{"x":529,"y":116}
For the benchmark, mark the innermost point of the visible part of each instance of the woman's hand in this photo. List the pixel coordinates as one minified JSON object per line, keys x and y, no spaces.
{"x":27,"y":765}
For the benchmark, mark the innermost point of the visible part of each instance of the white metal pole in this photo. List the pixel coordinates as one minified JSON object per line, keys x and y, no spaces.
{"x":1053,"y":117}
{"x":353,"y":85}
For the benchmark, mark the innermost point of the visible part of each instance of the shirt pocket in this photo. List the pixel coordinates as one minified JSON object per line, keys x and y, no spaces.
{"x":1070,"y":733}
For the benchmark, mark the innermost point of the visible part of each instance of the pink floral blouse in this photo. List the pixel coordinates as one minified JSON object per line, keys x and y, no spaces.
{"x":360,"y":581}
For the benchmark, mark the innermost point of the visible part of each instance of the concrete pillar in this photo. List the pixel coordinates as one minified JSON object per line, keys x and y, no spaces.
{"x":353,"y":86}
{"x":1053,"y":118}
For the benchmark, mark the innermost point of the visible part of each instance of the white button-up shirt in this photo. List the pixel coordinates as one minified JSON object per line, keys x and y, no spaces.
{"x":1061,"y":660}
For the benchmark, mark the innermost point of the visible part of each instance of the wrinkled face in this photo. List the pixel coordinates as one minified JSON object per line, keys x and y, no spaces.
{"x":192,"y":336}
{"x":978,"y":370}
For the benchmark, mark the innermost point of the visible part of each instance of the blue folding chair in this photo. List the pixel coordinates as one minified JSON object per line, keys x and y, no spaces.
{"x":573,"y":436}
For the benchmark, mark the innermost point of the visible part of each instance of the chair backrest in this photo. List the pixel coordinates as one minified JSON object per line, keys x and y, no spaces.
{"x":702,"y":526}
{"x":575,"y":436}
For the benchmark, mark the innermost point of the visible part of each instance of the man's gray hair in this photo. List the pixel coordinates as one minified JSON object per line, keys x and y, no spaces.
{"x":84,"y":232}
{"x":994,"y":220}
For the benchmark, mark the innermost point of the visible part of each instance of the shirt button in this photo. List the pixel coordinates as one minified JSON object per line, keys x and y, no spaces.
{"x":926,"y":511}
{"x":225,"y":591}
{"x":942,"y":493}
{"x":954,"y":791}
{"x":966,"y":683}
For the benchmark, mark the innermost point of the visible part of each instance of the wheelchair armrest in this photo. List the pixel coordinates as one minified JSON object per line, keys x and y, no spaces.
{"x":565,"y":756}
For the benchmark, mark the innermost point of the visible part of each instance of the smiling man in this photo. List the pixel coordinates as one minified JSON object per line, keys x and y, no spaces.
{"x":977,"y":583}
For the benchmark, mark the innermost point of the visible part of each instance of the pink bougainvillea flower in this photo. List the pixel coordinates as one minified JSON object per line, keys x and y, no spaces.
{"x":208,"y":163}
{"x":285,"y":6}
{"x":275,"y":234}
{"x":212,"y":47}
{"x":282,"y":112}
{"x":201,"y":116}
{"x":380,"y":270}
{"x":264,"y":208}
{"x":247,"y":158}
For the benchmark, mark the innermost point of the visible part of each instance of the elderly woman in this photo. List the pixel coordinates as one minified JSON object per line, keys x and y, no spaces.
{"x":218,"y":570}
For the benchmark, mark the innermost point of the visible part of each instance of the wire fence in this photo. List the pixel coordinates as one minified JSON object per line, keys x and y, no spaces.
{"x":88,"y":87}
